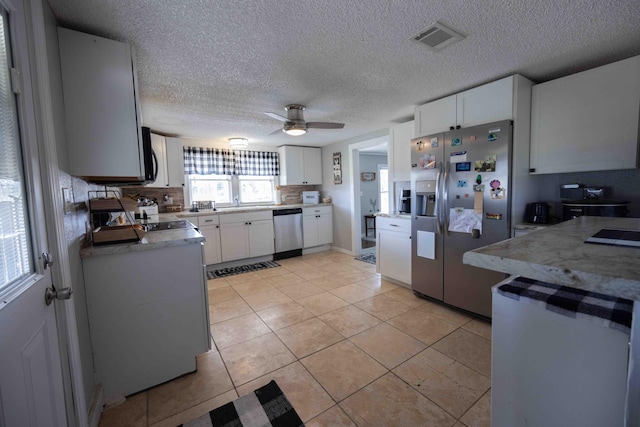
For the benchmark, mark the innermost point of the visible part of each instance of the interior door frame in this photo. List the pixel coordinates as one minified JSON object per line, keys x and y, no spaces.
{"x":54,"y":210}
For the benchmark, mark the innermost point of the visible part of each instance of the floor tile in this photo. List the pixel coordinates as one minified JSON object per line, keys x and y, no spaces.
{"x":132,"y":412}
{"x":271,"y":272}
{"x":377,"y":284}
{"x":318,"y":261}
{"x":342,"y":369}
{"x":353,"y":293}
{"x":284,"y":315}
{"x":405,"y":296}
{"x":253,"y":287}
{"x":390,"y":401}
{"x":382,"y":307}
{"x":358,"y":275}
{"x":255,"y":358}
{"x":229,"y":309}
{"x":285,"y":279}
{"x":312,"y":273}
{"x":305,"y":394}
{"x":209,"y":380}
{"x":419,"y":325}
{"x":222,"y":294}
{"x":438,"y":311}
{"x":217,"y":283}
{"x":480,"y":414}
{"x":387,"y":345}
{"x":448,"y":383}
{"x":330,"y":282}
{"x":294,"y":264}
{"x":301,"y":290}
{"x":197,"y":411}
{"x":266,"y":300}
{"x":322,"y":303}
{"x":479,"y":327}
{"x":333,"y":417}
{"x":338,"y":268}
{"x":469,"y":349}
{"x":236,"y":279}
{"x":234,"y":331}
{"x":308,"y":337}
{"x":349,"y":320}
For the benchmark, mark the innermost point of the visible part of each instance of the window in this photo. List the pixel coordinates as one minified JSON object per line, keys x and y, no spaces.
{"x":256,"y":189}
{"x":204,"y":188}
{"x":383,"y":174}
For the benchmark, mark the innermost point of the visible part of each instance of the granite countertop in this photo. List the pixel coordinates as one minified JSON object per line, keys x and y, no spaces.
{"x":400,"y":216}
{"x":152,"y":240}
{"x":558,"y":254}
{"x":233,"y":209}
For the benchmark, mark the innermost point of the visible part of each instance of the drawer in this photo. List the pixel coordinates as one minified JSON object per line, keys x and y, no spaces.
{"x":318,"y":210}
{"x":402,"y":225}
{"x":205,"y":220}
{"x":246,"y":216}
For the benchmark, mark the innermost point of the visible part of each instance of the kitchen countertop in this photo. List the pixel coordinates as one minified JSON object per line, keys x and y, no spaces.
{"x":400,"y":216}
{"x":233,"y":209}
{"x":557,"y":254}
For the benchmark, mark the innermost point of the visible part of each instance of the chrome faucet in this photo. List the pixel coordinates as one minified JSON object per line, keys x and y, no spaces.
{"x":237,"y":201}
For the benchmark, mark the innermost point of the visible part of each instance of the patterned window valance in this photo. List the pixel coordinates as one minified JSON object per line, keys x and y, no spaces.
{"x":220,"y":161}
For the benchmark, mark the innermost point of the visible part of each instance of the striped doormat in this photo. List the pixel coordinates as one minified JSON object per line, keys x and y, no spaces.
{"x":370,"y":258}
{"x":230,"y":271}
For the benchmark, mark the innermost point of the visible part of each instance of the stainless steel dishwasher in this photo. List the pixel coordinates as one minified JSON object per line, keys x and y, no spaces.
{"x":287,"y":226}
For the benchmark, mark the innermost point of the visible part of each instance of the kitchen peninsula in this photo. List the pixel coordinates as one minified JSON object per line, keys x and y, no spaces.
{"x":560,"y":256}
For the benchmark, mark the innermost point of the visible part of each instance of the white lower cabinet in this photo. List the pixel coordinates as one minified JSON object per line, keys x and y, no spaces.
{"x":209,"y":226}
{"x":393,"y":249}
{"x":246,"y":235}
{"x":317,"y":226}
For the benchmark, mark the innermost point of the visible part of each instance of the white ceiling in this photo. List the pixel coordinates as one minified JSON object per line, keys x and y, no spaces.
{"x":210,"y":69}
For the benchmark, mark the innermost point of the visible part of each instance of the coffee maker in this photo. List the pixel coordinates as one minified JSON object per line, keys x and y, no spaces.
{"x":404,"y":202}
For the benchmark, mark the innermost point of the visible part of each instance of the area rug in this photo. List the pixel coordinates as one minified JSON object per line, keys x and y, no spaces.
{"x":265,"y":407}
{"x":370,"y":258}
{"x":230,"y":271}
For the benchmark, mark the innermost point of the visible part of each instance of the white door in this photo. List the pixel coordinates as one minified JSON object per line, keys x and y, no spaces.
{"x":31,"y":388}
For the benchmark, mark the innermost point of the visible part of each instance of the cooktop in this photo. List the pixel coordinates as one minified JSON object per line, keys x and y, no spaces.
{"x":170,"y":225}
{"x":612,"y":236}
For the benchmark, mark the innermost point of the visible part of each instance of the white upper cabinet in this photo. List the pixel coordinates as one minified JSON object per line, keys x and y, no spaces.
{"x":587,"y":121}
{"x":483,"y":104}
{"x":101,"y":108}
{"x":300,"y":165}
{"x":401,"y":135}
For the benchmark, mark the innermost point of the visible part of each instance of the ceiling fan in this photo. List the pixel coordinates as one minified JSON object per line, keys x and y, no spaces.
{"x":294,"y":123}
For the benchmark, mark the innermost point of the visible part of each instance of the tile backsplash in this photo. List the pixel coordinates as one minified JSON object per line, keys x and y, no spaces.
{"x":175,"y":195}
{"x":292,"y":194}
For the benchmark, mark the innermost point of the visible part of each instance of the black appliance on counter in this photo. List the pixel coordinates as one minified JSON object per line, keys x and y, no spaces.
{"x":537,"y":213}
{"x":404,"y":201}
{"x":592,"y":203}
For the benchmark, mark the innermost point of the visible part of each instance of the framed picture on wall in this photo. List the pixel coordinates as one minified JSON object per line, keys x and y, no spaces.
{"x":368,"y":176}
{"x":337,"y":168}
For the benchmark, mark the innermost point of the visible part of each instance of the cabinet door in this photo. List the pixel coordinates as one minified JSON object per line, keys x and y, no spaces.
{"x":395,"y":255}
{"x":261,"y":238}
{"x":485,"y":104}
{"x":401,"y":136}
{"x":234,"y":242}
{"x":325,"y":228}
{"x":292,"y":166}
{"x":175,"y":162}
{"x":159,"y":146}
{"x":436,"y":116}
{"x":212,"y":253}
{"x":100,"y":106}
{"x":312,"y":165}
{"x":587,"y":121}
{"x":310,"y":231}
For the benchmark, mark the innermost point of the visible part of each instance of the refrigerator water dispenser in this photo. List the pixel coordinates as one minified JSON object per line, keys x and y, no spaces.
{"x":425,"y":198}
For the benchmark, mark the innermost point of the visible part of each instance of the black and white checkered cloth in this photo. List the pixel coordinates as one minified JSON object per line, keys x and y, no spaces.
{"x":220,"y":161}
{"x":605,"y":310}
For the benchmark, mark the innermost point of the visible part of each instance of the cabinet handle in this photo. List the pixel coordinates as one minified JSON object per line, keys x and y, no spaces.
{"x":394,"y":225}
{"x":451,"y":128}
{"x":208,"y":220}
{"x":217,"y":226}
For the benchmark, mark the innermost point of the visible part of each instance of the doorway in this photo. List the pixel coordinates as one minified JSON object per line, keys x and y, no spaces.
{"x":369,"y":191}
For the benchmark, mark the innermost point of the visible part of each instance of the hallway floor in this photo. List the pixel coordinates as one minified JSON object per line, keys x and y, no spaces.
{"x":347,"y":349}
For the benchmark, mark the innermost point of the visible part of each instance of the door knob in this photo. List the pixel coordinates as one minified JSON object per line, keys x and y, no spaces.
{"x":51,"y":293}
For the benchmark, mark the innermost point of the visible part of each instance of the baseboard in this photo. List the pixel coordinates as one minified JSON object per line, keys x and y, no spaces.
{"x":344,"y":251}
{"x":95,"y":410}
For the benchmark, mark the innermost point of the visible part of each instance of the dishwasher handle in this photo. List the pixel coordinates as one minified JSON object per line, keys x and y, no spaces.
{"x":291,"y":211}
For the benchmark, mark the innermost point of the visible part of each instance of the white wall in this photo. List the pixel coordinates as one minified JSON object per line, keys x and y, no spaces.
{"x":341,"y":194}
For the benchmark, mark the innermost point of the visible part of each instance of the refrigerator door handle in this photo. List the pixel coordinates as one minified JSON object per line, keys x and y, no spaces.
{"x":438,"y":206}
{"x":445,"y":196}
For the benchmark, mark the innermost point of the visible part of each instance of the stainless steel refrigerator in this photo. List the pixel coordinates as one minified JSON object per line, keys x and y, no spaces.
{"x":460,"y":186}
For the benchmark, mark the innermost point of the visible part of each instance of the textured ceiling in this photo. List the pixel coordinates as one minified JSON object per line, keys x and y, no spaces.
{"x":210,"y":69}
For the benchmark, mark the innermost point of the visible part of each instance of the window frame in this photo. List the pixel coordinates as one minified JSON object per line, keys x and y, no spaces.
{"x":235,"y":185}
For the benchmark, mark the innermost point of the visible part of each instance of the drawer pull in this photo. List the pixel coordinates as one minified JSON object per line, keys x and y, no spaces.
{"x":394,"y":225}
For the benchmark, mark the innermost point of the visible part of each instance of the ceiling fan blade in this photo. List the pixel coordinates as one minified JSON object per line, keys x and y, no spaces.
{"x":325,"y":125}
{"x":276,"y":131}
{"x":277,"y":117}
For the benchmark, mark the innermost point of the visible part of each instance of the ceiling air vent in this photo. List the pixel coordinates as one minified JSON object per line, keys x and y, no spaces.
{"x":436,"y":37}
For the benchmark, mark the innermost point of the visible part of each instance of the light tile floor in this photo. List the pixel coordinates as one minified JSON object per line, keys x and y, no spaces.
{"x":346,"y":347}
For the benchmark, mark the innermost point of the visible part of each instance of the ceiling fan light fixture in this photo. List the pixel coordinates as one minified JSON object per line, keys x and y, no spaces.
{"x":238,"y":143}
{"x":294,"y":129}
